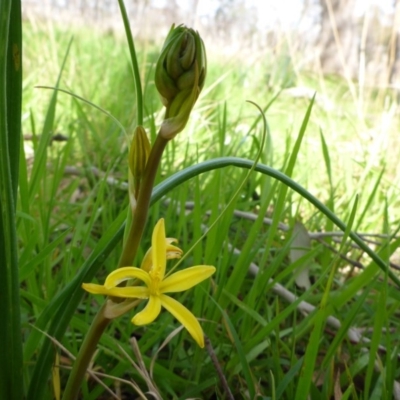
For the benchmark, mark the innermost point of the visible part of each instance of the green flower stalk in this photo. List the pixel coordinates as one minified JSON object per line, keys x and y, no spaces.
{"x":180,"y":75}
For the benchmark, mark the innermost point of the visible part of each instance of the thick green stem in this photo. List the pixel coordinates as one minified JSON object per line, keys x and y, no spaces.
{"x":143,"y":202}
{"x":85,"y":354}
{"x":132,"y":242}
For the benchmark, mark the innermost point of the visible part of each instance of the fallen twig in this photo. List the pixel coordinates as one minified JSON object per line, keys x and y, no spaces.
{"x":218,"y":368}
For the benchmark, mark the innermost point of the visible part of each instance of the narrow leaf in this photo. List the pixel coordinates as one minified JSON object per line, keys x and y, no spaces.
{"x":10,"y":130}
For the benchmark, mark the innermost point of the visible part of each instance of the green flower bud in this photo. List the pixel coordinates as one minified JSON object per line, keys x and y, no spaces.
{"x":180,"y":75}
{"x":138,"y":155}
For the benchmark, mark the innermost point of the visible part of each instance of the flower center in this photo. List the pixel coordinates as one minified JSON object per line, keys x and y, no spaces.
{"x":154,"y":287}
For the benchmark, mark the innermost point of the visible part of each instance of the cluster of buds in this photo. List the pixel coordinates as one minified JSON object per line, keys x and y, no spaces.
{"x":179,"y":78}
{"x":180,"y":75}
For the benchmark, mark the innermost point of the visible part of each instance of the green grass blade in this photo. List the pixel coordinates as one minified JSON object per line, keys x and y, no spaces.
{"x":371,"y":197}
{"x":281,"y":200}
{"x":242,"y":356}
{"x":39,"y":165}
{"x":380,"y":320}
{"x":247,"y":253}
{"x":135,"y":66}
{"x":11,"y":386}
{"x":310,"y":358}
{"x":327,"y":158}
{"x":95,"y":106}
{"x":346,"y":325}
{"x":289,"y":377}
{"x":331,"y":201}
{"x":380,"y":317}
{"x":14,"y":90}
{"x":28,"y":267}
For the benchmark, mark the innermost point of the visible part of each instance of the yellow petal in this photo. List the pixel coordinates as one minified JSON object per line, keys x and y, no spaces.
{"x":129,"y":292}
{"x":124,"y":274}
{"x":185,"y":317}
{"x":159,"y":249}
{"x":185,"y":279}
{"x":95,"y":289}
{"x":171,"y":252}
{"x":149,"y":313}
{"x":147,"y":261}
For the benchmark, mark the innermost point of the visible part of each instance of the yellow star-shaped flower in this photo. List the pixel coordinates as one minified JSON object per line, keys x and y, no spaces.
{"x":152,"y":273}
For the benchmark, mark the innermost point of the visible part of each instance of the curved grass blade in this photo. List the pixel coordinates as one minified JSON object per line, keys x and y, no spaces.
{"x":87,"y":102}
{"x":195,"y":170}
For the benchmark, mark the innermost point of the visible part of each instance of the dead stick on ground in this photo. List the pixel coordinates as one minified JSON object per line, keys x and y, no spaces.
{"x":218,"y":368}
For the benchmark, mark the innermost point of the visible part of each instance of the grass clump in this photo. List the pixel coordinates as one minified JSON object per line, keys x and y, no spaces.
{"x":269,"y":332}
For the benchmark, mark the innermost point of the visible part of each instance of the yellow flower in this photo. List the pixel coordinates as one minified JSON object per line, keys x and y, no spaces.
{"x":152,"y":273}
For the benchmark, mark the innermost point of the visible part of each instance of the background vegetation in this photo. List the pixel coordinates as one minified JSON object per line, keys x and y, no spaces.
{"x":288,"y":314}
